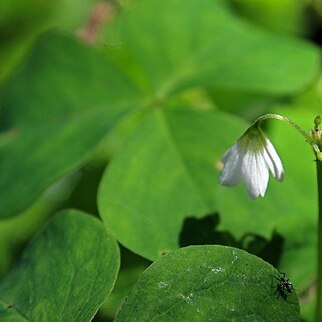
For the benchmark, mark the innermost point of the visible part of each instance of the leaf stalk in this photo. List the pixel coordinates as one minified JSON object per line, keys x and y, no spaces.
{"x":319,"y":250}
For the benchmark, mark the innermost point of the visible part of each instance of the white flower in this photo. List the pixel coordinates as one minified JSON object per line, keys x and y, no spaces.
{"x":249,"y":160}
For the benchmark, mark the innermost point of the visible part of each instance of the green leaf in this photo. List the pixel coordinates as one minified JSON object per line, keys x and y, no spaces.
{"x":283,"y":16}
{"x":246,"y":104}
{"x":164,"y":173}
{"x":170,"y":46}
{"x":21,"y":21}
{"x":54,"y":112}
{"x":65,"y":273}
{"x":67,"y":96}
{"x":209,"y":283}
{"x":14,"y":232}
{"x":54,"y":86}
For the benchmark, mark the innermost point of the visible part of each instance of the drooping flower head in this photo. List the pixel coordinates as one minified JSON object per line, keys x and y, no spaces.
{"x":249,"y":160}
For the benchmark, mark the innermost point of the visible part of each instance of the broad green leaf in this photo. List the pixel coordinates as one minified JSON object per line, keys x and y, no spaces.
{"x":64,"y":274}
{"x":164,"y":173}
{"x":16,"y":231}
{"x":308,"y":309}
{"x":284,"y":16}
{"x":64,"y":100}
{"x":209,"y":283}
{"x":170,"y":46}
{"x":60,"y":78}
{"x":246,"y":104}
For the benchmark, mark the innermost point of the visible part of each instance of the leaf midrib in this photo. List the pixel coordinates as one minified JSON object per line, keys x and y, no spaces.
{"x":171,"y":139}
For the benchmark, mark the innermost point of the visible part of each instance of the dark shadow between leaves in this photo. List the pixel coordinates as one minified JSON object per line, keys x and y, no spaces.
{"x":204,"y":231}
{"x":84,"y":194}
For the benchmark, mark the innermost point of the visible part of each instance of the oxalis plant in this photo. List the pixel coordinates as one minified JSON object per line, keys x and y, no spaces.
{"x":111,"y":121}
{"x":251,"y":159}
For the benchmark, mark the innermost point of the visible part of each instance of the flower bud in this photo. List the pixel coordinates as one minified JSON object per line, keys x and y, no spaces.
{"x":317,"y":122}
{"x":250,"y":160}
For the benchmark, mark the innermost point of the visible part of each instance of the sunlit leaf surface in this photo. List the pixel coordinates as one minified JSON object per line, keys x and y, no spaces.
{"x":208,"y":283}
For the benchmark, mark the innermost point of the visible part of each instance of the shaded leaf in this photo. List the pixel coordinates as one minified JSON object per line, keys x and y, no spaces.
{"x":54,"y":112}
{"x":65,"y":273}
{"x":283,"y":16}
{"x":21,"y":21}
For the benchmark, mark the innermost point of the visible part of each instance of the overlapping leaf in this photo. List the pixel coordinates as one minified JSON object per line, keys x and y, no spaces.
{"x":67,"y":96}
{"x":171,"y":46}
{"x":208,"y":283}
{"x":65,"y":274}
{"x":59,"y":106}
{"x":164,"y":173}
{"x":284,"y":16}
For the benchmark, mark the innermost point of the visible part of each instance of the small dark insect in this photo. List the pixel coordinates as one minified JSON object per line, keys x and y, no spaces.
{"x":284,"y":287}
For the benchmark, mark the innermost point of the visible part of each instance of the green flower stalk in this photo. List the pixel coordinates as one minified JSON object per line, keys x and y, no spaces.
{"x":251,"y":159}
{"x":317,"y":145}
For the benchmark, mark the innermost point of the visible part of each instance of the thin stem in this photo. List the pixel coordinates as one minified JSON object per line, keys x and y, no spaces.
{"x":319,"y":268}
{"x":264,"y":117}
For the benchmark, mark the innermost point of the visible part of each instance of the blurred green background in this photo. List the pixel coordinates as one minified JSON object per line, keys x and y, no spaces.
{"x":121,"y":109}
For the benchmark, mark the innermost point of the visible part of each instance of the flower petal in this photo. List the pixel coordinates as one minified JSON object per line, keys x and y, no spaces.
{"x":250,"y":160}
{"x":273,"y":161}
{"x":231,"y":173}
{"x":255,"y":174}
